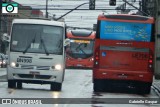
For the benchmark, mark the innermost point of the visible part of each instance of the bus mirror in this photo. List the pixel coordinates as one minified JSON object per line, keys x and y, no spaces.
{"x":66,"y":42}
{"x":6,"y":37}
{"x":85,"y":45}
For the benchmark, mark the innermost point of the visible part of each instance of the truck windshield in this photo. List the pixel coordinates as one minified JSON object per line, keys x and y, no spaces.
{"x":27,"y":38}
{"x":80,"y":50}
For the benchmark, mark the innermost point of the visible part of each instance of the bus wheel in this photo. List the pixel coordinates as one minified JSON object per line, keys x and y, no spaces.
{"x":148,"y":90}
{"x":98,"y":87}
{"x":11,"y":84}
{"x":56,"y":86}
{"x":144,"y":89}
{"x":19,"y":85}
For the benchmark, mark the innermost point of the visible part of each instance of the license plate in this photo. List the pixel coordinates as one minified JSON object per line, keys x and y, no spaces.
{"x":122,"y":76}
{"x":79,"y":65}
{"x":34,"y":73}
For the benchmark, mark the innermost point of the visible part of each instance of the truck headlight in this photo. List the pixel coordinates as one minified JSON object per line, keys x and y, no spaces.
{"x":58,"y":67}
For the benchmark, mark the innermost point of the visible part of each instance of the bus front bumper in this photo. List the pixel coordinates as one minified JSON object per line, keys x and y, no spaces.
{"x":35,"y":75}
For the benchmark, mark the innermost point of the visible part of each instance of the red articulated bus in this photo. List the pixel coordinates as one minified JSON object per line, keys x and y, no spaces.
{"x":124,"y":53}
{"x":79,"y":54}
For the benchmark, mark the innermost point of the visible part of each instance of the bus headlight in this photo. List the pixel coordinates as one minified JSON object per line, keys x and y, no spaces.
{"x":58,"y":67}
{"x":4,"y":62}
{"x":92,"y":59}
{"x":13,"y":64}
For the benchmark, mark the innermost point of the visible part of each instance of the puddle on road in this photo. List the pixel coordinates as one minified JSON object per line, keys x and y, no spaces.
{"x":3,"y":78}
{"x":11,"y":91}
{"x":96,"y":106}
{"x":95,"y":100}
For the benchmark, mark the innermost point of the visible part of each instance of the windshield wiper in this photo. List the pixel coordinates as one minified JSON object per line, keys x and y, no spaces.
{"x":59,"y":43}
{"x":82,"y":51}
{"x":33,"y":40}
{"x":45,"y":49}
{"x":79,"y":47}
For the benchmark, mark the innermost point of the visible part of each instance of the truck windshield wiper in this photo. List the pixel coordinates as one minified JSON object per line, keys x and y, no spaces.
{"x":33,"y":40}
{"x":45,"y":49}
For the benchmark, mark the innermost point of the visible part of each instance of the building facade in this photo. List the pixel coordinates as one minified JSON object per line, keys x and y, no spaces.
{"x":24,"y":12}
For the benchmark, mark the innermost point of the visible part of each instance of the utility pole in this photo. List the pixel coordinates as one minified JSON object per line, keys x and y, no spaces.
{"x":135,"y":7}
{"x":0,"y":14}
{"x":72,"y":10}
{"x":0,"y":24}
{"x":157,"y":41}
{"x":46,"y":8}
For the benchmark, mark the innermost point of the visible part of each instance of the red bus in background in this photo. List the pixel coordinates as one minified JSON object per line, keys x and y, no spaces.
{"x":79,"y":54}
{"x":123,"y":54}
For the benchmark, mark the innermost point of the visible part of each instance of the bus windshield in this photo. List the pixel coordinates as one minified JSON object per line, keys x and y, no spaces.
{"x":32,"y":38}
{"x":80,"y":49}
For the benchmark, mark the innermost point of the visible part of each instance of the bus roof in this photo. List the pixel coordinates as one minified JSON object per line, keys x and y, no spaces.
{"x":126,"y":18}
{"x":81,"y":34}
{"x":39,"y":21}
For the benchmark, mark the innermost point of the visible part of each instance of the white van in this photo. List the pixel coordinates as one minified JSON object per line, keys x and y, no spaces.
{"x":36,"y":53}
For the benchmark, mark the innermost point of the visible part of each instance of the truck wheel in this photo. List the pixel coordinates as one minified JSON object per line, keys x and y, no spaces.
{"x":19,"y":85}
{"x":56,"y":86}
{"x":11,"y":84}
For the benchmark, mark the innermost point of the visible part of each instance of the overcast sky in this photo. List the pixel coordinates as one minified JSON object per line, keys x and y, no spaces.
{"x":78,"y":18}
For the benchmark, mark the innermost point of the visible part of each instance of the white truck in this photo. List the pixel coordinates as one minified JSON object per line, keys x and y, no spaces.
{"x":36,"y":53}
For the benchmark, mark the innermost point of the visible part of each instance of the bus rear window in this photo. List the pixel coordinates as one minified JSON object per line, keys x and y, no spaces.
{"x":125,"y":31}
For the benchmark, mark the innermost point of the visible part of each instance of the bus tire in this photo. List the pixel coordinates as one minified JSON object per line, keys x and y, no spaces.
{"x":56,"y":86}
{"x":144,"y":89}
{"x":11,"y":84}
{"x":19,"y":85}
{"x":97,"y":87}
{"x":148,"y":90}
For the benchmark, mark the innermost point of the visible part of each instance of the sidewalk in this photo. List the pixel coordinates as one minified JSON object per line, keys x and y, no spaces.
{"x":156,"y":83}
{"x":3,"y":71}
{"x":3,"y":77}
